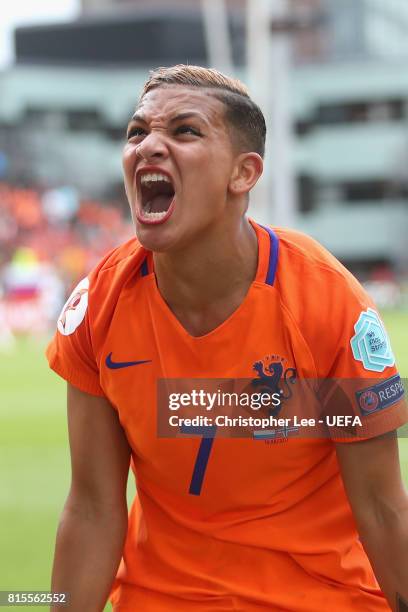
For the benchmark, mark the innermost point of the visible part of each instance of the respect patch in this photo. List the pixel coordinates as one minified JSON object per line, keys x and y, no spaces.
{"x":380,"y":396}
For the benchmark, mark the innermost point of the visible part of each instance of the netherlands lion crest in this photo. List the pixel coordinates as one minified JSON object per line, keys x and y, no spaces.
{"x":274,"y":377}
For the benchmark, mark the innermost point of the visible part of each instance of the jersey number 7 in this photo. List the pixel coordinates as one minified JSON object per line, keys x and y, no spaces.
{"x":203,"y":455}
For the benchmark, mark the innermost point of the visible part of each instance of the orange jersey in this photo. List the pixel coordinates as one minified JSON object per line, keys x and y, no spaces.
{"x":233,"y":524}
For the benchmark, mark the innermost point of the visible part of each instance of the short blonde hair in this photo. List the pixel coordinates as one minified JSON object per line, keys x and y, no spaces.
{"x":244,"y":117}
{"x":193,"y":76}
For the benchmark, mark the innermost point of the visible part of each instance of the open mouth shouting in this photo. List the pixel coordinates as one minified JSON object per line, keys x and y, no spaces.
{"x":156,"y":196}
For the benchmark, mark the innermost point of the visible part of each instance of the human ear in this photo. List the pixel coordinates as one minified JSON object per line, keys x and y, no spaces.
{"x":246,"y":172}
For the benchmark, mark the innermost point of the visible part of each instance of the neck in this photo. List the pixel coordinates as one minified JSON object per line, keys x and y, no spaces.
{"x":209,"y":271}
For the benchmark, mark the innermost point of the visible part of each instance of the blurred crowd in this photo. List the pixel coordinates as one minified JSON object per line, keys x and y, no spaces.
{"x":49,"y":240}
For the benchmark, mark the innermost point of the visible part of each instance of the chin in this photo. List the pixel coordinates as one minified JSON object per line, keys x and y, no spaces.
{"x":158,"y":239}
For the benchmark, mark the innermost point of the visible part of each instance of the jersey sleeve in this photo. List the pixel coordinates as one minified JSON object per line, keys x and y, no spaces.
{"x":70,"y":353}
{"x":359,"y":378}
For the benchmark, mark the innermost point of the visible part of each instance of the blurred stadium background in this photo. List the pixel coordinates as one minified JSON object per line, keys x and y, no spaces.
{"x":331,"y":76}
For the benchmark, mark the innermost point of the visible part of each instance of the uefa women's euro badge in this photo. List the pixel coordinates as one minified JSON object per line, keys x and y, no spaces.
{"x":73,"y":312}
{"x":371,"y":344}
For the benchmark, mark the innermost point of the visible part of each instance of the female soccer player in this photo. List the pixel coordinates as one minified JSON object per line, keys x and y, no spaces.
{"x":285,"y":522}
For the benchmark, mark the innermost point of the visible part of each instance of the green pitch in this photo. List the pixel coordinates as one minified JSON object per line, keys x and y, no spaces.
{"x":35,"y":464}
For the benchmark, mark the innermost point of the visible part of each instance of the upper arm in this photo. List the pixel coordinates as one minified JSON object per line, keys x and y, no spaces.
{"x":372,"y":477}
{"x":100,"y":453}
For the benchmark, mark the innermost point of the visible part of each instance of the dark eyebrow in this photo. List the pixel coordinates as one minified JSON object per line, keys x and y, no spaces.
{"x":137,"y":117}
{"x":180,"y":117}
{"x":187,"y":115}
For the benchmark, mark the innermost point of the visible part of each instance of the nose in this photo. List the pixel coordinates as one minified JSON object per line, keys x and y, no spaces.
{"x":152,"y":147}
